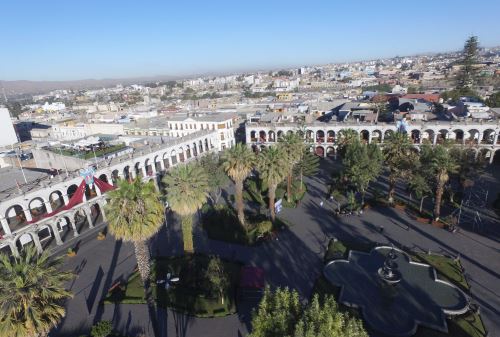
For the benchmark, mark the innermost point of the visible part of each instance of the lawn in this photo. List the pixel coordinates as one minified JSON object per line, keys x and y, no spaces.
{"x":191,"y":294}
{"x":130,"y":292}
{"x":468,"y":325}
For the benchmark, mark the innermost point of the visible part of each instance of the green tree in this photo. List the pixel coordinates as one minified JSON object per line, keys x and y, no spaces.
{"x":272,"y":164}
{"x":306,"y":166}
{"x":277,"y":314}
{"x":31,"y":293}
{"x":186,"y":190}
{"x":419,"y":185}
{"x":102,"y":329}
{"x":292,"y":147}
{"x":399,"y":159}
{"x":212,"y":165}
{"x":467,"y":76}
{"x":323,"y":319}
{"x":217,"y":277}
{"x":438,"y":162}
{"x":362,"y":165}
{"x":238,"y":162}
{"x":135,"y":214}
{"x":346,"y":137}
{"x":494,"y":100}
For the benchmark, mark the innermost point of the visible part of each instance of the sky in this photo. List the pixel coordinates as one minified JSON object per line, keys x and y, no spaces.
{"x":70,"y":40}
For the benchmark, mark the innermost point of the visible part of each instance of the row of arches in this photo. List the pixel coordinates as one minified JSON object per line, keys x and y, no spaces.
{"x":470,"y":137}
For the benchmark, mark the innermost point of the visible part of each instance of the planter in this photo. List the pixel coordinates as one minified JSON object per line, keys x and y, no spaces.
{"x":438,"y":224}
{"x":101,"y":236}
{"x":400,"y":207}
{"x":71,"y":254}
{"x":423,"y":220}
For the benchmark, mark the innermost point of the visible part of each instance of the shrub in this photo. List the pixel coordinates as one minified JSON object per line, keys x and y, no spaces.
{"x":101,"y":329}
{"x":264,"y":227}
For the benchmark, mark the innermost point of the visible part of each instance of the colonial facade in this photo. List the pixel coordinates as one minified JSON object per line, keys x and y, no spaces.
{"x":323,"y":137}
{"x":20,"y":207}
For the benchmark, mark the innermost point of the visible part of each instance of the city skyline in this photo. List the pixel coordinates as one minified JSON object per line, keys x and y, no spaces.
{"x":120,"y":40}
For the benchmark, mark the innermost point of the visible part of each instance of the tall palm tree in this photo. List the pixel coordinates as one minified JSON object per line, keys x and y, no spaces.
{"x":135,"y":214}
{"x":439,"y":163}
{"x":271,"y":164}
{"x":292,"y":147}
{"x":187,"y":190}
{"x":31,"y":294}
{"x":399,"y":159}
{"x":238,"y":162}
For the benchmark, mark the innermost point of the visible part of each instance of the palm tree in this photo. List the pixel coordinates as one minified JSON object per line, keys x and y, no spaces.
{"x":187,"y":190}
{"x":238,"y":162}
{"x":272,"y":168}
{"x":135,"y":214}
{"x":399,"y":158}
{"x":292,"y":147}
{"x":31,"y":294}
{"x":439,"y":163}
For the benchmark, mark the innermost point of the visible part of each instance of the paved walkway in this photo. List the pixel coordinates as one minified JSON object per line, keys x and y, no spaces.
{"x":294,"y":260}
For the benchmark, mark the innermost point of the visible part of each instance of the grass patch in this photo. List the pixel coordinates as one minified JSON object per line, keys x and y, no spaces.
{"x":191,"y":294}
{"x":446,"y":268}
{"x":130,"y":292}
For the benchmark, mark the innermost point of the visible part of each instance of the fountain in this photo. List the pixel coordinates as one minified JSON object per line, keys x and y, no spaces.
{"x":389,"y":272}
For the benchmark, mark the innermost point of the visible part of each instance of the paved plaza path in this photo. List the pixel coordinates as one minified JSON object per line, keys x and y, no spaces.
{"x":294,"y":260}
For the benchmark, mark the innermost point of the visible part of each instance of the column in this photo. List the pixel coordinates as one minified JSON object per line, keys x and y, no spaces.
{"x":495,"y":139}
{"x":153,"y":168}
{"x":382,"y":137}
{"x":57,"y":236}
{"x":144,"y":173}
{"x":48,"y":206}
{"x":88,"y":214}
{"x":13,"y":249}
{"x":492,"y":154}
{"x":5,"y":226}
{"x":162,"y":164}
{"x":434,"y":140}
{"x":27,"y":214}
{"x":36,"y":240}
{"x":101,"y":208}
{"x":97,"y":190}
{"x":72,"y":222}
{"x":65,"y":199}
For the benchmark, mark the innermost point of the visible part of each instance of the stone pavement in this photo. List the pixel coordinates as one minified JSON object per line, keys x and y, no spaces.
{"x":294,"y":260}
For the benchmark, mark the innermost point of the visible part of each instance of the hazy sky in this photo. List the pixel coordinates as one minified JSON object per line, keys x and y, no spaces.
{"x":62,"y":40}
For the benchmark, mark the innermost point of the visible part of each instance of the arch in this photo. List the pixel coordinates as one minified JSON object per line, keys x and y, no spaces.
{"x":104,"y":178}
{"x":56,"y":200}
{"x":330,"y":151}
{"x":271,"y":136}
{"x":459,"y":136}
{"x":71,"y":190}
{"x":262,"y":148}
{"x":300,"y":133}
{"x":429,"y":135}
{"x":126,"y":173}
{"x":200,"y":146}
{"x":488,"y":136}
{"x":330,"y":137}
{"x":90,"y":192}
{"x":484,"y":155}
{"x":310,"y":136}
{"x":138,"y":169}
{"x":173,"y":157}
{"x":262,"y":136}
{"x":388,"y":134}
{"x":23,"y":239}
{"x":365,"y":136}
{"x":496,"y":157}
{"x":148,"y":166}
{"x":279,"y":134}
{"x":377,"y":136}
{"x":181,"y":154}
{"x":15,"y":216}
{"x":157,"y":163}
{"x":473,"y":137}
{"x":319,"y":151}
{"x":195,"y":150}
{"x":188,"y":151}
{"x":255,"y":148}
{"x":415,"y":136}
{"x":37,"y":207}
{"x":289,"y":132}
{"x":253,"y":136}
{"x":206,"y":145}
{"x":442,"y":136}
{"x":320,"y":136}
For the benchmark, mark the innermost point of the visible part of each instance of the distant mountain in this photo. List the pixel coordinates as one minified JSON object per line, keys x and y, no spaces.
{"x":18,"y":87}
